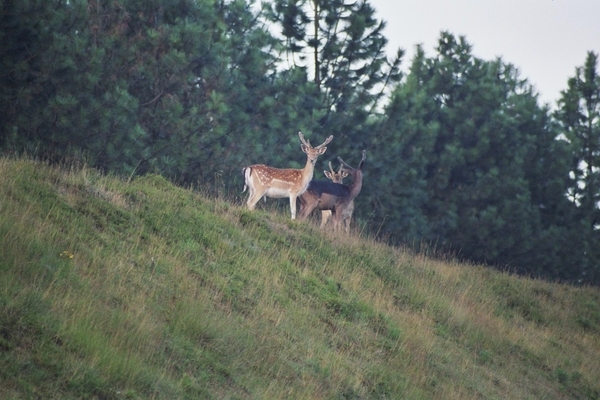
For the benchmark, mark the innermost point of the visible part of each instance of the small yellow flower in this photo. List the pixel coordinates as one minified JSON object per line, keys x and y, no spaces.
{"x":66,"y":254}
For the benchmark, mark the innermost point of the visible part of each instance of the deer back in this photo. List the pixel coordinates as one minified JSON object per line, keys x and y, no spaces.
{"x":280,"y":178}
{"x":329,"y":194}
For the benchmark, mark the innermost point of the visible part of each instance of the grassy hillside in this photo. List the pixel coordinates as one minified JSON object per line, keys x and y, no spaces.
{"x":121,"y":290}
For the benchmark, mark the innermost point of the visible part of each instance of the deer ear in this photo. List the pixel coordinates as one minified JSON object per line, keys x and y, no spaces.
{"x":304,"y":148}
{"x":328,"y":175}
{"x":322,"y":150}
{"x":344,"y":173}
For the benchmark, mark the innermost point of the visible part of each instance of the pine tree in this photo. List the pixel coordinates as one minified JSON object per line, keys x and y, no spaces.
{"x":579,"y":115}
{"x":36,"y":60}
{"x":171,"y":87}
{"x":468,"y":148}
{"x":403,"y":146}
{"x":343,"y":46}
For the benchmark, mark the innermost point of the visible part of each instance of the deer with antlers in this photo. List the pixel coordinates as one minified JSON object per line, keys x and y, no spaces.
{"x":337,"y":177}
{"x":334,"y":197}
{"x":263,"y":180}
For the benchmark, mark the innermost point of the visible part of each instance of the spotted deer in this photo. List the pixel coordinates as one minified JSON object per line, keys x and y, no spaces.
{"x":334,"y":197}
{"x":263,"y":180}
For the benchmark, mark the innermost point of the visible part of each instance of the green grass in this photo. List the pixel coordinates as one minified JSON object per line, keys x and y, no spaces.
{"x":134,"y":290}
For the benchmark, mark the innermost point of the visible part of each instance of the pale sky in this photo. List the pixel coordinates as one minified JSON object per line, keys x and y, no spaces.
{"x":545,"y":39}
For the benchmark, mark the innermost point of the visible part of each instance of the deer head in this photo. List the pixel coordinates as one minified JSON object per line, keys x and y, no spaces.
{"x":336,"y":177}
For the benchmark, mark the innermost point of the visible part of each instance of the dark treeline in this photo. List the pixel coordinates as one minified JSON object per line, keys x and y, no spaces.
{"x":461,"y":153}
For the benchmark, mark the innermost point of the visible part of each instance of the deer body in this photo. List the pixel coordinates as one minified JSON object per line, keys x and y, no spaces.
{"x":325,"y":205}
{"x":333,"y":197}
{"x":263,"y":180}
{"x":338,"y":177}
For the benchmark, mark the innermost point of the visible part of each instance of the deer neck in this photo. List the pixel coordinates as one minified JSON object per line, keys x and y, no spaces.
{"x":356,"y":185}
{"x":307,"y":172}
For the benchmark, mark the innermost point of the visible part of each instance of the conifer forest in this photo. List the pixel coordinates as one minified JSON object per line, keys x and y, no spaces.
{"x":463,"y":158}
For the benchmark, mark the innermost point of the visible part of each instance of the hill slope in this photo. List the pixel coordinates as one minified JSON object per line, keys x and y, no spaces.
{"x":115,"y":289}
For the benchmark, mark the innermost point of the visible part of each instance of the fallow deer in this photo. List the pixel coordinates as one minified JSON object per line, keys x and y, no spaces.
{"x":263,"y":180}
{"x":333,"y":196}
{"x":337,"y":177}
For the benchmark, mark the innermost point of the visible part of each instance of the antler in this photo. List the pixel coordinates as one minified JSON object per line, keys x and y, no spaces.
{"x":329,"y":139}
{"x":331,"y":168}
{"x":304,"y":141}
{"x":346,"y":166}
{"x":307,"y":142}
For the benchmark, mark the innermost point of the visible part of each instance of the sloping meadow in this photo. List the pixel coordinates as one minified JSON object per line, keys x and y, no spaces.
{"x":141,"y":289}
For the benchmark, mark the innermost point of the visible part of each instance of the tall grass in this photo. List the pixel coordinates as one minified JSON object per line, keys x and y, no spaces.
{"x":117,"y":289}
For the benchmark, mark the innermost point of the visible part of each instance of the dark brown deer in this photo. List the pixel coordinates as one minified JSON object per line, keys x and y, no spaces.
{"x":263,"y":180}
{"x":338,"y":177}
{"x":335,"y":197}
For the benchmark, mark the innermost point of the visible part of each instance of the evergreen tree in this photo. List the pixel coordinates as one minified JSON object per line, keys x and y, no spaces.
{"x":468,"y":149}
{"x":175,"y":87}
{"x":88,"y":76}
{"x":579,"y":115}
{"x":397,"y":191}
{"x":36,"y":59}
{"x":265,"y":106}
{"x":342,"y":44}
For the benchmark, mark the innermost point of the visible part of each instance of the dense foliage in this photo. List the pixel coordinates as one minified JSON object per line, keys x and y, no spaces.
{"x":460,"y":152}
{"x":477,"y":165}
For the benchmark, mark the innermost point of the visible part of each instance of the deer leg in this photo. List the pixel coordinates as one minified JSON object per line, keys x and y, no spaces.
{"x":253,"y":198}
{"x":346,"y":225}
{"x":293,"y":206}
{"x":306,"y":207}
{"x":325,"y":215}
{"x":336,"y":220}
